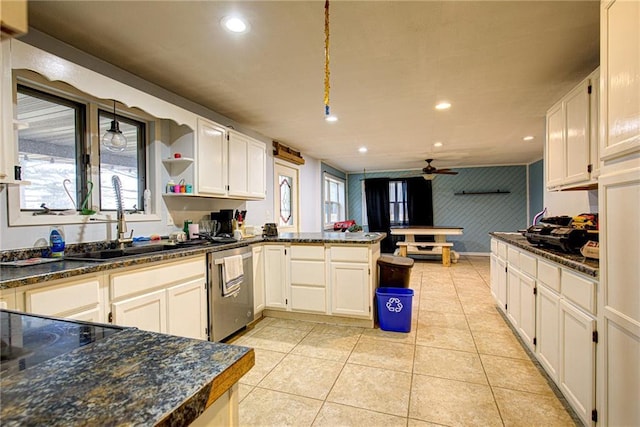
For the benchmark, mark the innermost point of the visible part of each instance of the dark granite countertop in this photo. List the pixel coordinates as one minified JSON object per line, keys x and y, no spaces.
{"x":130,"y":377}
{"x":359,"y":238}
{"x":575,"y":262}
{"x":13,"y":277}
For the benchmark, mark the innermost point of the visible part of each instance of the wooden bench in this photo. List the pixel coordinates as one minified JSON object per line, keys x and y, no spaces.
{"x":414,"y":247}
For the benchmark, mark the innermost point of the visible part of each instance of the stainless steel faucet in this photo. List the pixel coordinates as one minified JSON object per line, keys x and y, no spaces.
{"x":122,"y":240}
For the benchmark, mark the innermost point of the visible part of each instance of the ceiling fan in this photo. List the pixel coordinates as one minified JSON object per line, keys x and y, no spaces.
{"x":429,"y":172}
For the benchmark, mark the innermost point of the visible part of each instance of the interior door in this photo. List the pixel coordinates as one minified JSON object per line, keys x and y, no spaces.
{"x":286,"y":198}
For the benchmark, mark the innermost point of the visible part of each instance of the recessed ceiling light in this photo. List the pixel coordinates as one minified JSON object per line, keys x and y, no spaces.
{"x":444,"y":105}
{"x":528,"y":138}
{"x":437,"y":144}
{"x":362,"y":149}
{"x":331,"y":118}
{"x":235,"y":24}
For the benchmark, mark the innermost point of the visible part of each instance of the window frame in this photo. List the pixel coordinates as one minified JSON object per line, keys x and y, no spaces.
{"x":394,"y":205}
{"x":151,"y":170}
{"x":326,"y":176}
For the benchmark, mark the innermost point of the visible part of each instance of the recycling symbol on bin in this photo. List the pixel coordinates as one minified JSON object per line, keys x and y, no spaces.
{"x":394,"y":304}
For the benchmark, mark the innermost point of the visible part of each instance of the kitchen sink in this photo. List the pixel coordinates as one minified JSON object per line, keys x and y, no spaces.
{"x":108,"y":254}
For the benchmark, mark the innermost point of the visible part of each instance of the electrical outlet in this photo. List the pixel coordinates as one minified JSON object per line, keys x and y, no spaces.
{"x":170,"y":219}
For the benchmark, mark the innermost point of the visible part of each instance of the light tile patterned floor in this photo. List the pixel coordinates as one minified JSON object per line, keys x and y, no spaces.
{"x":460,"y":365}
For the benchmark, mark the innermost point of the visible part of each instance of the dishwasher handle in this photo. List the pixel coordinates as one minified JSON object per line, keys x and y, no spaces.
{"x":219,"y":261}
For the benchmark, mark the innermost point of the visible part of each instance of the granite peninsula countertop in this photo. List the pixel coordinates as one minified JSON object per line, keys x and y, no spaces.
{"x":573,"y":261}
{"x":14,"y":277}
{"x":130,"y":377}
{"x":359,"y":238}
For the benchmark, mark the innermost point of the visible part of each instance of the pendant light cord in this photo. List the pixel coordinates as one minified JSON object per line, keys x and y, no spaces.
{"x":327,"y":71}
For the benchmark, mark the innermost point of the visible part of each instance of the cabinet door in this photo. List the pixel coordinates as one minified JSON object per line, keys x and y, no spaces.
{"x":577,"y":359}
{"x":256,"y":165}
{"x":577,"y":134}
{"x":147,"y":312}
{"x":513,"y":296}
{"x":187,"y":309}
{"x":92,"y":315}
{"x":66,"y":298}
{"x":594,"y":125}
{"x":527,"y":326}
{"x":547,"y":330}
{"x":620,"y":68}
{"x":212,"y":159}
{"x":308,"y":285}
{"x":275,"y":276}
{"x":499,"y":281}
{"x":350,"y":289}
{"x":258,"y":279}
{"x":238,"y":179}
{"x":554,"y":155}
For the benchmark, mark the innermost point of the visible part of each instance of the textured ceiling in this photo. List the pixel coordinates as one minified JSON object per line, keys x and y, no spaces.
{"x":501,"y":65}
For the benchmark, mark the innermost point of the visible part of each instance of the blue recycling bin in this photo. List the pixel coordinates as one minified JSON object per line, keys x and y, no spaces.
{"x":394,"y":309}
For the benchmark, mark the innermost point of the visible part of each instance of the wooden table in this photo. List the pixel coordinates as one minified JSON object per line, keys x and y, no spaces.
{"x":440,"y":246}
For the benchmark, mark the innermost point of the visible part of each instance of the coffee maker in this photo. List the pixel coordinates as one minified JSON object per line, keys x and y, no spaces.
{"x":225,"y":221}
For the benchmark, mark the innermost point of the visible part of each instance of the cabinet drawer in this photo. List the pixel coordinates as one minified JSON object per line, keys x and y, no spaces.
{"x":494,"y":246}
{"x":349,"y":254}
{"x":549,"y":274}
{"x":528,"y":264}
{"x":308,"y":299}
{"x":307,"y":273}
{"x":158,"y":276}
{"x":502,"y":250}
{"x":513,"y":256}
{"x":579,"y":290}
{"x":69,"y":296}
{"x":307,"y":252}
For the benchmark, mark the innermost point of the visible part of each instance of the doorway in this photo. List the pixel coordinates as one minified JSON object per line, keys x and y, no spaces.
{"x":286,"y":197}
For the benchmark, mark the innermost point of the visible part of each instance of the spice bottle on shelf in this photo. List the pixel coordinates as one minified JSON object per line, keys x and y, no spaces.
{"x":170,"y":186}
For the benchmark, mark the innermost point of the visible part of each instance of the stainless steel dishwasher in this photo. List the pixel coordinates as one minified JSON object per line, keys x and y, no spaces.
{"x":229,"y":314}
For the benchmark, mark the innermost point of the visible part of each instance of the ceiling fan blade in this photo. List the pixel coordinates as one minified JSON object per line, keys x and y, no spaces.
{"x":446,"y":172}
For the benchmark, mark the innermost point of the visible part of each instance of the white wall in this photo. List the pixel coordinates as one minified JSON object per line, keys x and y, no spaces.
{"x":570,"y":202}
{"x":311,"y":196}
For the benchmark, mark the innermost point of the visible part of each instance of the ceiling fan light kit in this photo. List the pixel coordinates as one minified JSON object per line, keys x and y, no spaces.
{"x":429,"y":172}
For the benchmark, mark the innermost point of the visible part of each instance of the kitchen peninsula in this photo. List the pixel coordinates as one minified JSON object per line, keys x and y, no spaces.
{"x":79,"y":373}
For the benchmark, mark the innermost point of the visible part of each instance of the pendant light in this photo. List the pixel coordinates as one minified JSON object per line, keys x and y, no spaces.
{"x":113,"y":139}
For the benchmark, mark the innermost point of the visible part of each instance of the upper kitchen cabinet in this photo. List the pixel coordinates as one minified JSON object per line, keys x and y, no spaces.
{"x":247,"y":164}
{"x":571,"y":151}
{"x":13,"y":18}
{"x":212,"y":160}
{"x":7,"y":150}
{"x":620,"y":60}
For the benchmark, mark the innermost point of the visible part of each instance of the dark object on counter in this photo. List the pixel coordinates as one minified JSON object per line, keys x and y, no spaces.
{"x":343,"y":225}
{"x":225,"y":221}
{"x":394,"y":309}
{"x":395,"y":271}
{"x":270,"y":230}
{"x":567,"y":239}
{"x":563,"y":220}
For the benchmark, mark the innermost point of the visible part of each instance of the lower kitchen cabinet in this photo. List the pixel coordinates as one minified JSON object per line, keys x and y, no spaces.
{"x":165,"y":297}
{"x":577,"y":359}
{"x":499,"y":280}
{"x":350,"y":289}
{"x":186,"y":314}
{"x":308,"y":282}
{"x":521,"y":304}
{"x":79,"y":298}
{"x":147,"y":311}
{"x":275,"y":276}
{"x":547,"y":330}
{"x":257,"y":252}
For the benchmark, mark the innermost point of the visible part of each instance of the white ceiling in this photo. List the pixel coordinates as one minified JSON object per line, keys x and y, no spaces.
{"x":501,"y":64}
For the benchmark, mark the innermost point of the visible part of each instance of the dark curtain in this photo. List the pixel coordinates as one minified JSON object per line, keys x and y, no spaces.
{"x":377,"y":196}
{"x":420,"y":204}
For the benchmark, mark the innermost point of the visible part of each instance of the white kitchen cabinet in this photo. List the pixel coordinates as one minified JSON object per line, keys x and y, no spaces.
{"x":7,"y":134}
{"x":247,"y":166}
{"x":521,"y":304}
{"x":620,"y":61}
{"x":147,"y":311}
{"x":577,"y":359}
{"x":350,"y":289}
{"x":547,"y":330}
{"x":68,"y":298}
{"x":258,"y":280}
{"x":8,"y":299}
{"x":572,"y":137}
{"x":212,"y":159}
{"x":276,"y":276}
{"x":92,"y":315}
{"x":308,"y":285}
{"x":168,"y":297}
{"x":499,"y":281}
{"x":513,"y":296}
{"x":187,"y":309}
